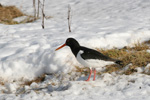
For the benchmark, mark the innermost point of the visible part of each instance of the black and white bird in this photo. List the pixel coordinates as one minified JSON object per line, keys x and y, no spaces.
{"x":89,"y":57}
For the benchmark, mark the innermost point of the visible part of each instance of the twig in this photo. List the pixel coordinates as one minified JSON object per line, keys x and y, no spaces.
{"x":69,"y":20}
{"x":34,"y":9}
{"x":43,"y":15}
{"x":38,"y":8}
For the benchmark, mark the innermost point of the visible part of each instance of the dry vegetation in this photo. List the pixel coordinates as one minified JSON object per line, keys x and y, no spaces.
{"x":36,"y":80}
{"x":8,"y":13}
{"x":137,"y":55}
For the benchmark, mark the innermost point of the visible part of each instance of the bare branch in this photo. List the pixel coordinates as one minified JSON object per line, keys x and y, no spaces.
{"x":38,"y":8}
{"x":69,"y":19}
{"x":43,"y":15}
{"x":34,"y":9}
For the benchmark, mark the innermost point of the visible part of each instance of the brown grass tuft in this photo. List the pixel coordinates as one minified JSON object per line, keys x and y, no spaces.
{"x":7,"y":13}
{"x":137,"y":55}
{"x":139,"y":46}
{"x":84,"y":70}
{"x":37,"y":80}
{"x":2,"y":83}
{"x":147,"y":42}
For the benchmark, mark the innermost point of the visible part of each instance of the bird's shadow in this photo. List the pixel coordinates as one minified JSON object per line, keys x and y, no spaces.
{"x":83,"y":78}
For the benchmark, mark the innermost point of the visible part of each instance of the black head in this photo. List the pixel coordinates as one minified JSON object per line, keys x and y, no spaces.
{"x":71,"y":42}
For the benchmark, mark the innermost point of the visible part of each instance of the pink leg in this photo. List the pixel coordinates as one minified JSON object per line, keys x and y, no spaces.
{"x":89,"y":75}
{"x":94,"y":74}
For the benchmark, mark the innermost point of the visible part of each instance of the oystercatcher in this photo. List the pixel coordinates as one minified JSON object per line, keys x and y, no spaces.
{"x":89,"y":57}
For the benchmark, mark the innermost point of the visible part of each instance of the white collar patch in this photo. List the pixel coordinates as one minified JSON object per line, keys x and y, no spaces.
{"x":81,"y":52}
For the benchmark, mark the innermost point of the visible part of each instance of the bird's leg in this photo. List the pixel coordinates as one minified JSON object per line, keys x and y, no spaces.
{"x":94,"y":74}
{"x":89,"y":75}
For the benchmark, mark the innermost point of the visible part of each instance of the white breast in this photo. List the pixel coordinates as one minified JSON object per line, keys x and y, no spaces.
{"x":92,"y":63}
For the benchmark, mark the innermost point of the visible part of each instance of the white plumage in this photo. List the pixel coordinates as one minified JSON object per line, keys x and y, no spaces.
{"x":92,"y":63}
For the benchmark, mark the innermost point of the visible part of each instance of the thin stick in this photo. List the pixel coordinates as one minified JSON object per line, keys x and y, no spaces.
{"x":34,"y":9}
{"x":43,"y":15}
{"x":38,"y":8}
{"x":69,"y":20}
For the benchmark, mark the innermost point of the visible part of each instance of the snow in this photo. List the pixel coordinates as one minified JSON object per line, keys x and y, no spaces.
{"x":19,"y":19}
{"x":28,"y":51}
{"x":114,"y":87}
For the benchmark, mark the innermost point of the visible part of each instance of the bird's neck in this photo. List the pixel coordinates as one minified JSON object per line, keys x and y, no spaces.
{"x":75,"y":50}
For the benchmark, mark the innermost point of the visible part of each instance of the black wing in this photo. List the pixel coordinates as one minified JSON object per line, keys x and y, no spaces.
{"x":93,"y":54}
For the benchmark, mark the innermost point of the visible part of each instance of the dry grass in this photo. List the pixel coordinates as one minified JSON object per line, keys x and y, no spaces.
{"x":137,"y":58}
{"x":84,"y":70}
{"x":37,"y":80}
{"x":8,"y":13}
{"x":1,"y":83}
{"x":137,"y":55}
{"x":147,"y":42}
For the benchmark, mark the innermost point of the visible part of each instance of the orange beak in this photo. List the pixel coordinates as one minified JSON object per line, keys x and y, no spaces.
{"x":60,"y":47}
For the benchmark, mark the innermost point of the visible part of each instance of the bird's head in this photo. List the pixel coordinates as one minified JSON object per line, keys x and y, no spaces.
{"x":71,"y":42}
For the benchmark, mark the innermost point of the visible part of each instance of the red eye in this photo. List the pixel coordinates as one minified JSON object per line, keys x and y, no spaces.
{"x":67,"y":40}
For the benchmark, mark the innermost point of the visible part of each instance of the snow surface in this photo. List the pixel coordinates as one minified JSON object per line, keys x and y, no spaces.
{"x":28,"y":51}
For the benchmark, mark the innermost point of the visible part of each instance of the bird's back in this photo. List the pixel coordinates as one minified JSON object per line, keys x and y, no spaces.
{"x":93,"y":54}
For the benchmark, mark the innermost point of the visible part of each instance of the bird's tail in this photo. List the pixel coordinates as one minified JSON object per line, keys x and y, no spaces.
{"x":119,"y":62}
